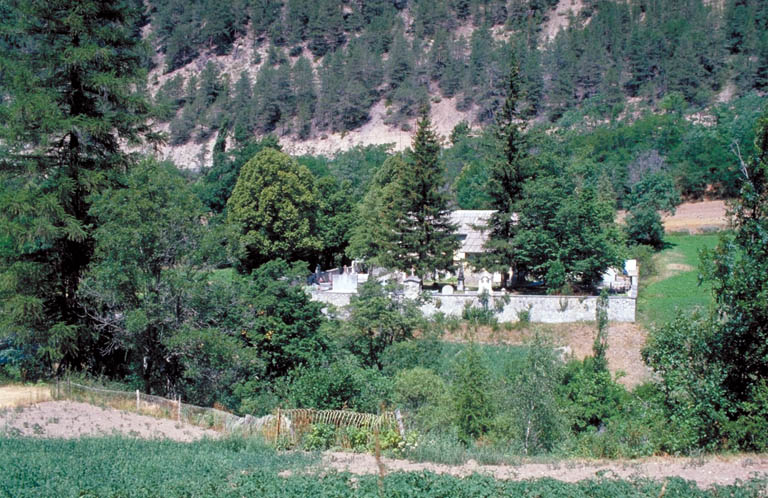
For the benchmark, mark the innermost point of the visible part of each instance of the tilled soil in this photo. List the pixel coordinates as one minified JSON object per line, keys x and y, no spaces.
{"x":69,"y":419}
{"x":704,"y":471}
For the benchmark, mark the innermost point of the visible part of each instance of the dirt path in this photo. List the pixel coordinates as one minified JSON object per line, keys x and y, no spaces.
{"x":705,"y":471}
{"x":69,"y":419}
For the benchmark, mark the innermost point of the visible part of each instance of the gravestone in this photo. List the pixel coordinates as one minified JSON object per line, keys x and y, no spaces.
{"x":484,"y":284}
{"x":412,"y":287}
{"x":345,"y":282}
{"x":447,"y":290}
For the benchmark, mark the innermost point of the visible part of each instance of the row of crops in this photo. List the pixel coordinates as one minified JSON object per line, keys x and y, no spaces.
{"x":246,"y":467}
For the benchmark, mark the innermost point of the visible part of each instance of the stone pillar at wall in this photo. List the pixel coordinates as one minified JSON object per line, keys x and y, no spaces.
{"x":485,"y":283}
{"x":412,"y":287}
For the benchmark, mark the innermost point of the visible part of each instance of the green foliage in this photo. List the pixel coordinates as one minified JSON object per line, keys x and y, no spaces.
{"x":425,"y":397}
{"x":70,"y":74}
{"x":644,"y":227}
{"x":535,"y":420}
{"x":565,"y":221}
{"x":510,"y":167}
{"x":320,"y":437}
{"x":216,"y":184}
{"x":342,"y":384}
{"x":377,"y":321}
{"x":473,"y":405}
{"x":691,"y":381}
{"x":285,"y":325}
{"x":274,"y":205}
{"x":147,"y":233}
{"x":415,"y":227}
{"x":736,"y":268}
{"x":110,"y":466}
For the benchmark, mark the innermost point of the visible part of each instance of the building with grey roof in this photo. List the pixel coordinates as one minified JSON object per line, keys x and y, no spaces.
{"x":471,"y":230}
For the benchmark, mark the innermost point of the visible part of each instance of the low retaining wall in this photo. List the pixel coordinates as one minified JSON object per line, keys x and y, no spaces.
{"x":541,"y":309}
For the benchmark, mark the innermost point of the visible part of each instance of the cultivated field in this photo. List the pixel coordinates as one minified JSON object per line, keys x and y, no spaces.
{"x":697,"y":217}
{"x":68,"y":419}
{"x":237,"y":465}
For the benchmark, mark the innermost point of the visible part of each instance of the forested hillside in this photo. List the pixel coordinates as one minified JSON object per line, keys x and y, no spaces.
{"x":306,"y":69}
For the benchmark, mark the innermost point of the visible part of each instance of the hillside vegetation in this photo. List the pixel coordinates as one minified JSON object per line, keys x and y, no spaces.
{"x":196,"y":284}
{"x":307,"y":69}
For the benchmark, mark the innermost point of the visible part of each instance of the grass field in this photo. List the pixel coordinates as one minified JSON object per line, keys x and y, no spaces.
{"x":676,"y":287}
{"x":240,"y":467}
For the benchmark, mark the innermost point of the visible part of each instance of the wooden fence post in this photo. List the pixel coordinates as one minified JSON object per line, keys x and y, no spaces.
{"x":137,"y":400}
{"x":277,"y":434}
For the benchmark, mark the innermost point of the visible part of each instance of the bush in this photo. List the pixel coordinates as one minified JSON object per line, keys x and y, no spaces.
{"x":424,"y":395}
{"x":482,"y":315}
{"x":471,"y":396}
{"x":341,"y":384}
{"x":424,"y":353}
{"x":321,"y":437}
{"x":644,"y":227}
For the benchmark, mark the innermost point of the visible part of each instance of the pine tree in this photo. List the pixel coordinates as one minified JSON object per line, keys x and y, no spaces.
{"x":509,"y":170}
{"x":421,"y":223}
{"x":304,"y":95}
{"x":241,"y":107}
{"x":68,"y":80}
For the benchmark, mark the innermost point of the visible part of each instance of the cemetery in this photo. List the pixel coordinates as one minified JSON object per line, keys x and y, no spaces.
{"x":470,"y":287}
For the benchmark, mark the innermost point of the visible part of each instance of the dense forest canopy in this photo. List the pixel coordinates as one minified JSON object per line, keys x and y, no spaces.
{"x":323,"y":64}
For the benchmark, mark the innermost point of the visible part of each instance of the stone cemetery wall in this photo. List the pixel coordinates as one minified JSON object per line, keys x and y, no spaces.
{"x":541,"y":309}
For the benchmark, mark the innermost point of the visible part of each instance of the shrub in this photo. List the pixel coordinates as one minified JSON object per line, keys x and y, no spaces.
{"x":471,"y":396}
{"x":644,"y":227}
{"x":321,"y":437}
{"x":425,"y":396}
{"x":343,"y":383}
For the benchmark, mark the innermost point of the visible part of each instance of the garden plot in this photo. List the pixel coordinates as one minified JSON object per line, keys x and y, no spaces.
{"x":68,"y":419}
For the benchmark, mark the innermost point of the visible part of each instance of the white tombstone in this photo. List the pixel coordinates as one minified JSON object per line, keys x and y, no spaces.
{"x":447,"y":290}
{"x":630,"y":266}
{"x":412,"y":287}
{"x":345,"y":282}
{"x":485,"y":282}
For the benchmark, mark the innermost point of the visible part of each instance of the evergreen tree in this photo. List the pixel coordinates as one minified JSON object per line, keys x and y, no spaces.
{"x":422,"y":228}
{"x":509,"y":169}
{"x":69,"y":77}
{"x":242,"y":103}
{"x":304,"y":95}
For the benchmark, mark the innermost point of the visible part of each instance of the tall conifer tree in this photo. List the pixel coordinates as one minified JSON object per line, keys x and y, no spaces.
{"x":422,"y":218}
{"x":509,"y":169}
{"x":69,"y":79}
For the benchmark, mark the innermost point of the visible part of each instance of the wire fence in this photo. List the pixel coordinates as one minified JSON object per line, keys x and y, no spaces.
{"x":148,"y":404}
{"x":290,"y":423}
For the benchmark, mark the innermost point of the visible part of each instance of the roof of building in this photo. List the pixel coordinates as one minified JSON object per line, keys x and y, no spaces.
{"x":470,"y":228}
